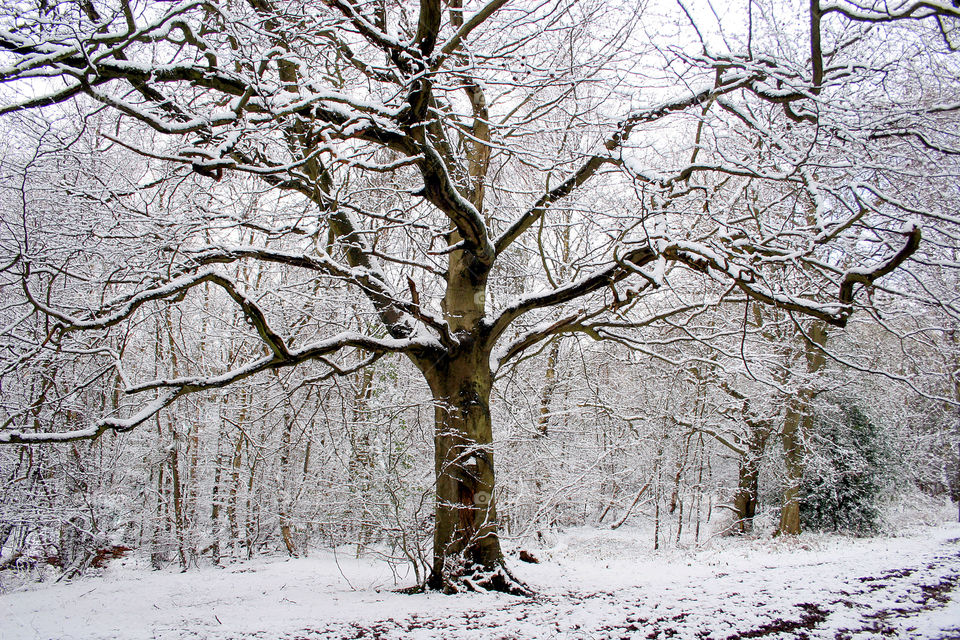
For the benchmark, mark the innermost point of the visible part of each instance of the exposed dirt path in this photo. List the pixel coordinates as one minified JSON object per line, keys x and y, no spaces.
{"x":872,"y":606}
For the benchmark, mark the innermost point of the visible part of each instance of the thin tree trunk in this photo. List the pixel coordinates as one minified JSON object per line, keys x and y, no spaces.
{"x":283,"y":500}
{"x":657,"y":496}
{"x":173,"y":457}
{"x":177,"y":490}
{"x":636,"y":500}
{"x":233,"y":499}
{"x":215,"y":504}
{"x":252,"y":528}
{"x":156,"y":555}
{"x":549,"y":387}
{"x":361,"y":458}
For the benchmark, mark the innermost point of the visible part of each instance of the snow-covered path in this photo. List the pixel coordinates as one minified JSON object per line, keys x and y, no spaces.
{"x":591,"y":585}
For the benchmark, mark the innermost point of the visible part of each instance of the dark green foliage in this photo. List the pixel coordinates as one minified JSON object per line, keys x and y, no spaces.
{"x":844,"y":475}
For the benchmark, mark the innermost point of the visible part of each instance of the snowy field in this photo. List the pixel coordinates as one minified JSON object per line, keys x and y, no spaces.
{"x":591,"y":584}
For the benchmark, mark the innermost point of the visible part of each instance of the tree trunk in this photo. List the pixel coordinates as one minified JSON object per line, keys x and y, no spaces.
{"x":236,"y":461}
{"x":748,"y":486}
{"x":549,"y":387}
{"x":361,"y":463}
{"x":252,"y":528}
{"x":157,"y":555}
{"x":466,"y":549}
{"x":284,"y":501}
{"x":233,"y":498}
{"x":177,"y":489}
{"x":215,"y":503}
{"x":793,"y":463}
{"x":798,"y":420}
{"x":466,"y":545}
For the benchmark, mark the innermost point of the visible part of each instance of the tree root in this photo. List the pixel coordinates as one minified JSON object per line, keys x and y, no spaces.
{"x":474,"y":578}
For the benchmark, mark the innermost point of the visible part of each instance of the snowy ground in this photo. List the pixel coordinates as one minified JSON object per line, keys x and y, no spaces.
{"x":593,"y":584}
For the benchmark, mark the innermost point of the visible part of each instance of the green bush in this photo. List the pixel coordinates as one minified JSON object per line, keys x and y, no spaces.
{"x":843,"y":478}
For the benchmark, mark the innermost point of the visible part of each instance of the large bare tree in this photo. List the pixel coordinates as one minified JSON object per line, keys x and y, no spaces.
{"x":485,"y":177}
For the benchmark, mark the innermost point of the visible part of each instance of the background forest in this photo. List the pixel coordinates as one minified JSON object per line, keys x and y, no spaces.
{"x":272,"y":274}
{"x":591,"y":436}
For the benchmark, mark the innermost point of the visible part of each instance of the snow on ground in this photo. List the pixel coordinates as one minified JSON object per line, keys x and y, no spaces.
{"x":592,"y":584}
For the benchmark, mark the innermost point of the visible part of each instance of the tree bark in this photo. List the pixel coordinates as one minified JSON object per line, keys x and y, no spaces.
{"x":233,"y":497}
{"x":793,"y":462}
{"x":466,"y":550}
{"x":549,"y":387}
{"x":748,"y":484}
{"x":797,"y":422}
{"x":177,"y":491}
{"x":284,"y":505}
{"x":745,"y":501}
{"x":215,"y":499}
